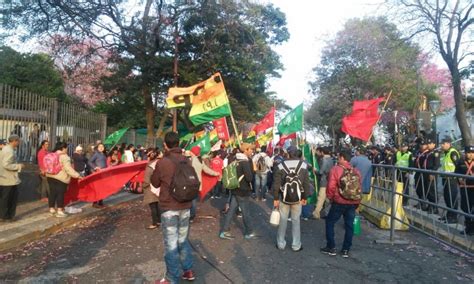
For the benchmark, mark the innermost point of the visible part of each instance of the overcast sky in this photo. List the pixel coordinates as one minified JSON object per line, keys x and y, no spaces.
{"x":310,"y":22}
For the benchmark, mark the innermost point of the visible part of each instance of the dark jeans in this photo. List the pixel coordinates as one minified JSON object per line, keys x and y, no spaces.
{"x":178,"y":253}
{"x":336,"y":211}
{"x":402,"y":177}
{"x":56,"y":193}
{"x":451,"y":196}
{"x":8,"y":200}
{"x":243,"y":202}
{"x":43,"y":186}
{"x":155,"y":213}
{"x":467,"y":205}
{"x":216,"y":190}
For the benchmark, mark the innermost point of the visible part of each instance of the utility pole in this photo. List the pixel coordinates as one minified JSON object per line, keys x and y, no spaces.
{"x":175,"y":73}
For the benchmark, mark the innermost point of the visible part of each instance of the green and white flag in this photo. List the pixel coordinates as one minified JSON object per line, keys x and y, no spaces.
{"x":115,"y":137}
{"x":292,"y":122}
{"x":204,"y":143}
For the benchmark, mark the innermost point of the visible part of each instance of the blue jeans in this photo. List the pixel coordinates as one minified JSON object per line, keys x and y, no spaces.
{"x":336,"y":211}
{"x":178,"y":254}
{"x":260,"y":184}
{"x":285,"y":210}
{"x":216,"y":190}
{"x":235,"y":202}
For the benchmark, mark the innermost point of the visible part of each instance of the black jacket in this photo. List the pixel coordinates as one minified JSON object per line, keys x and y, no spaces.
{"x":245,"y":169}
{"x":279,"y":177}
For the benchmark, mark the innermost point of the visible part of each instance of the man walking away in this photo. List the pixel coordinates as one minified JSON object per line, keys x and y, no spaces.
{"x":364,"y":165}
{"x":291,"y":186}
{"x":344,"y":190}
{"x":326,"y":166}
{"x":174,"y":214}
{"x":9,"y":179}
{"x":241,"y":196}
{"x":449,"y":159}
{"x":263,"y":164}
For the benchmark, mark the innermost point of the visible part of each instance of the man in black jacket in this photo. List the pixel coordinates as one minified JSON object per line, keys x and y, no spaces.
{"x":241,"y":196}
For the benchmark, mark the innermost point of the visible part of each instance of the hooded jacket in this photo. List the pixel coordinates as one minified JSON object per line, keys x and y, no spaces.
{"x":332,"y":190}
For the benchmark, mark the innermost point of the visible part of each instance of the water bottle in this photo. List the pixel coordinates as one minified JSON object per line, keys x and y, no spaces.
{"x":357,"y":229}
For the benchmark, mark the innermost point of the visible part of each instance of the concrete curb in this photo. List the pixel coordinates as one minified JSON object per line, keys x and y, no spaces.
{"x":10,"y":240}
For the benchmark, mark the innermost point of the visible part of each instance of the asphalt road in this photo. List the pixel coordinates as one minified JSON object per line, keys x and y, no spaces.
{"x":115,"y":247}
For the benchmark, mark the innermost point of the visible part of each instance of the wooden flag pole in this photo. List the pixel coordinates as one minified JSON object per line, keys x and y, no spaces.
{"x":380,"y":116}
{"x":234,"y":125}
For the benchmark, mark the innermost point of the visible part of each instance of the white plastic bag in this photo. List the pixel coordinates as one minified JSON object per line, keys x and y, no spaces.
{"x":275,"y":217}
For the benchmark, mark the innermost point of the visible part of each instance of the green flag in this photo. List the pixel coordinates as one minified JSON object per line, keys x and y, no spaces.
{"x":292,"y":122}
{"x":115,"y":137}
{"x":204,"y":143}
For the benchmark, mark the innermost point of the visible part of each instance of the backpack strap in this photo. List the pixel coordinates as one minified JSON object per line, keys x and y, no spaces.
{"x":285,"y":167}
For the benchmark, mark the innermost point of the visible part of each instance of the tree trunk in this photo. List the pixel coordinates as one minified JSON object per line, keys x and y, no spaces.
{"x":460,"y":107}
{"x":150,"y":117}
{"x":163,"y":120}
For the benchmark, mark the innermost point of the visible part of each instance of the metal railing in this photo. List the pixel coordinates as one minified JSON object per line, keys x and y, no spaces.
{"x":35,"y":118}
{"x":432,"y":202}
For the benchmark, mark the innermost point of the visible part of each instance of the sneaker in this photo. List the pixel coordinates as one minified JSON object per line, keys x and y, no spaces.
{"x":345,"y":253}
{"x":305,"y":219}
{"x":61,"y":214}
{"x":250,"y":236}
{"x":52,"y":211}
{"x":264,"y":199}
{"x":188,"y":275}
{"x":217,"y":197}
{"x":162,"y":281}
{"x":297,"y":250}
{"x":226,"y":236}
{"x":278,"y":248}
{"x":328,"y":251}
{"x":239,"y":215}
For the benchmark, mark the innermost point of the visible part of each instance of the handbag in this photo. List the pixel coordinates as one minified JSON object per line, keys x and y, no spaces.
{"x":275,"y":217}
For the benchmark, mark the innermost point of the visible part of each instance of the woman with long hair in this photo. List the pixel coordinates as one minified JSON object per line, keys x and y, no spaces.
{"x":150,"y":195}
{"x":58,"y":182}
{"x":97,"y":162}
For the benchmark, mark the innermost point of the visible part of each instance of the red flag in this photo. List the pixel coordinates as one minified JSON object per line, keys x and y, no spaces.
{"x":222,"y":130}
{"x":364,"y":116}
{"x":208,"y":182}
{"x":283,"y":138}
{"x":104,"y":183}
{"x":267,"y":122}
{"x":270,"y":148}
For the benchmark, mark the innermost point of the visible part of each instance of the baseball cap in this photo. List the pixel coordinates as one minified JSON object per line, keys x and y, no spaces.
{"x":447,"y":140}
{"x":469,"y":149}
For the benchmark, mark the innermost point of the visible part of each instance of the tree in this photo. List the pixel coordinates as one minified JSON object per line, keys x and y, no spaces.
{"x":203,"y":35}
{"x":33,"y":72}
{"x":366,"y":59}
{"x":451,"y":24}
{"x":83,"y":64}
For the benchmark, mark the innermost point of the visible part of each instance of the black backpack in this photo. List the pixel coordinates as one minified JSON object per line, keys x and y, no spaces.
{"x":292,"y":187}
{"x":185,"y":185}
{"x":261,"y":164}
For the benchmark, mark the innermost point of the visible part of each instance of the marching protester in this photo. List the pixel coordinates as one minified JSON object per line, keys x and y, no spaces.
{"x":174,"y":215}
{"x":97,"y":162}
{"x":364,"y":165}
{"x":80,"y":161}
{"x":263,"y":164}
{"x":344,"y":190}
{"x":448,"y":161}
{"x":150,"y":197}
{"x":9,"y":179}
{"x":200,"y":168}
{"x":466,"y":167}
{"x":291,"y":186}
{"x":240,"y":197}
{"x":324,"y":169}
{"x":217,"y":165}
{"x":43,"y":187}
{"x":59,"y":181}
{"x":403,"y":158}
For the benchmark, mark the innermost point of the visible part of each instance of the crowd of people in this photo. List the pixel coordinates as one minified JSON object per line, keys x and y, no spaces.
{"x":284,"y":176}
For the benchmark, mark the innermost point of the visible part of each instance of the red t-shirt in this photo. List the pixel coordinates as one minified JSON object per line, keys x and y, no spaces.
{"x":216,"y":165}
{"x":41,"y":154}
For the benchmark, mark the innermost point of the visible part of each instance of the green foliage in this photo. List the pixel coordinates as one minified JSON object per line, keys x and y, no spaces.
{"x":367,"y":59}
{"x":33,"y":72}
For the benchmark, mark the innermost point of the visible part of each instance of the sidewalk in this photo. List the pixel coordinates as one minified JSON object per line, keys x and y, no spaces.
{"x":34,"y":221}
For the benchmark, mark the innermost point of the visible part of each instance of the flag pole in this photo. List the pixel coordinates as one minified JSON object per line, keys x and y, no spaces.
{"x":380,"y":116}
{"x":234,"y":125}
{"x":315,"y":178}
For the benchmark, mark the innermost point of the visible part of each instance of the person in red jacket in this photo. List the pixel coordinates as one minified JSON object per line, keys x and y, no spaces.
{"x":340,"y":206}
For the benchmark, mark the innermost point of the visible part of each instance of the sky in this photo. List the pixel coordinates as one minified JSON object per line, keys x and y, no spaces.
{"x":310,"y":22}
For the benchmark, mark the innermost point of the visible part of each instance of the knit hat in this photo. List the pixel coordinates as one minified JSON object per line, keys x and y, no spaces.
{"x":196,"y":150}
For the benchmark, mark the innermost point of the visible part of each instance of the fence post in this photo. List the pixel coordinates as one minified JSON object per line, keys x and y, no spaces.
{"x":53,"y":123}
{"x":103,"y":130}
{"x":393,"y":205}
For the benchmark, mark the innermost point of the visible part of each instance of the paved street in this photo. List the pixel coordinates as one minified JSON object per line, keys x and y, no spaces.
{"x":115,"y":247}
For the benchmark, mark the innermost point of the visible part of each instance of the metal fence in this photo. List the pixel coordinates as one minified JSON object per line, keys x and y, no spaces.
{"x":36,"y":118}
{"x":434,"y":203}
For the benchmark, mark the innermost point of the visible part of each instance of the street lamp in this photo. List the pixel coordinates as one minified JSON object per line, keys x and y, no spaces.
{"x":434,"y":107}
